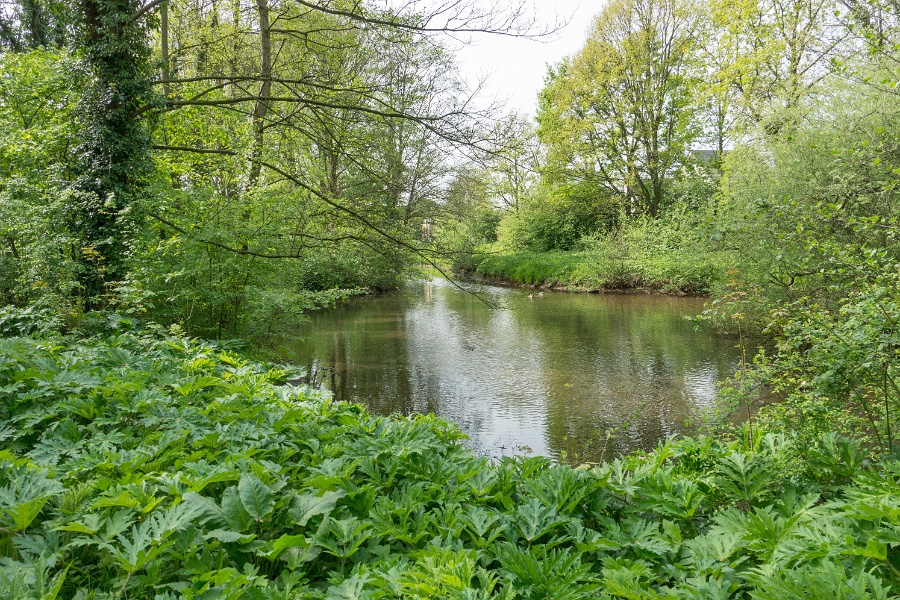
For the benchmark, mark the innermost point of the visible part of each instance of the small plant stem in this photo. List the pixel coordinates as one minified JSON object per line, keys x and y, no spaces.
{"x":125,"y":585}
{"x":744,"y":371}
{"x":749,"y":426}
{"x":869,"y":415}
{"x":893,"y":385}
{"x":887,"y":413}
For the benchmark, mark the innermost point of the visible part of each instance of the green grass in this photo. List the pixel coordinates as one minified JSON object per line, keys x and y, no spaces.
{"x":531,"y":268}
{"x":144,"y":465}
{"x":594,"y":270}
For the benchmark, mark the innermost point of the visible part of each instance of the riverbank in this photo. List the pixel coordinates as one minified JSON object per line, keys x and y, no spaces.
{"x":138,"y":461}
{"x":598,"y":272}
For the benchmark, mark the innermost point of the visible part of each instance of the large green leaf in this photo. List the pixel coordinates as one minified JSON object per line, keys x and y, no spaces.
{"x":307,"y":506}
{"x":256,"y":496}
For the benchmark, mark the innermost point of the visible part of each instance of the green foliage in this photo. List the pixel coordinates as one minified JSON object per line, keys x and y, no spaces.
{"x":809,"y":209}
{"x":140,"y":463}
{"x":619,"y":113}
{"x":151,"y":465}
{"x":32,"y":24}
{"x":228,"y":295}
{"x":839,"y":369}
{"x":229,"y":247}
{"x":559,"y":221}
{"x":38,"y":94}
{"x":470,"y":221}
{"x":659,"y":254}
{"x":530,"y":268}
{"x":814,"y":214}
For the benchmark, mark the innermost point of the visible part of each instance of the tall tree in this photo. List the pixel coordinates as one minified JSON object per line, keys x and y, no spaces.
{"x":271,"y":121}
{"x":874,"y":28}
{"x":775,"y":53}
{"x":114,"y":153}
{"x":367,"y":92}
{"x":514,"y":165}
{"x":29,"y":24}
{"x":619,"y":113}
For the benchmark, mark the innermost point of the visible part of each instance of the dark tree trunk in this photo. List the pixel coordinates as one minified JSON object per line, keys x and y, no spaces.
{"x":114,"y":151}
{"x":262,"y":105}
{"x":164,"y":45}
{"x":35,"y":23}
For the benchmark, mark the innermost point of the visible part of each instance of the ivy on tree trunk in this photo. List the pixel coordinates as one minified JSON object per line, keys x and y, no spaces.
{"x":114,"y":153}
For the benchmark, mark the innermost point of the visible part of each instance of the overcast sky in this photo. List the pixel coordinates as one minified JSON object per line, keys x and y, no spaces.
{"x":515,"y":67}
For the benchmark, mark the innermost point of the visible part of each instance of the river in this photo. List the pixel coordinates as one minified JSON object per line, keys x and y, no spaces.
{"x":575,"y":377}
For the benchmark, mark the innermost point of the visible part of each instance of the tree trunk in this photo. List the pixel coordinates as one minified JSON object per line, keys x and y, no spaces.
{"x":262,"y":104}
{"x":114,"y":156}
{"x":34,"y":20}
{"x":164,"y":45}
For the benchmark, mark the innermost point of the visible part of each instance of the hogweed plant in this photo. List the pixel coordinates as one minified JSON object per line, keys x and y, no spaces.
{"x":143,"y":464}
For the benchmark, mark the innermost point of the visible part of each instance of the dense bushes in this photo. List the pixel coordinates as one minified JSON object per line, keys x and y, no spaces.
{"x":215,"y":248}
{"x":663,"y":255}
{"x":590,"y":271}
{"x":38,"y":95}
{"x":558,"y":218}
{"x":147,"y":465}
{"x":531,"y":268}
{"x":814,"y":214}
{"x":834,"y":370}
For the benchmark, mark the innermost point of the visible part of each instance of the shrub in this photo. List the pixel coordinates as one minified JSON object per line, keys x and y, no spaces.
{"x":558,"y":219}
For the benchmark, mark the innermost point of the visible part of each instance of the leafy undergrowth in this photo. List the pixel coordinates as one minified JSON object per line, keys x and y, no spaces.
{"x":592,"y":270}
{"x":146,"y":465}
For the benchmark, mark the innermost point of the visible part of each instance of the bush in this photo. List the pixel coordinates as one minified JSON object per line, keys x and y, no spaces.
{"x":558,"y":219}
{"x":658,"y":254}
{"x":806,"y":210}
{"x":530,"y":268}
{"x":840,"y":370}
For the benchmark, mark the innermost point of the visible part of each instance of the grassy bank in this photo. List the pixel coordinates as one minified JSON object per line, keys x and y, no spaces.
{"x":142,"y":464}
{"x":603,"y":271}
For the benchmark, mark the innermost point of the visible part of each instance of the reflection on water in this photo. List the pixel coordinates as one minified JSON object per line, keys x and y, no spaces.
{"x":565,"y":375}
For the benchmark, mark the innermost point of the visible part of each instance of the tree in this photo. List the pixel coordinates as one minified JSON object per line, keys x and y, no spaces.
{"x":469,"y":219}
{"x":30,"y":24}
{"x":112,"y":146}
{"x":337,"y":174}
{"x":719,"y":114}
{"x":774,"y":53}
{"x":114,"y":152}
{"x":264,"y":129}
{"x":38,"y":99}
{"x":363,"y":94}
{"x":619,"y":113}
{"x":514,"y":166}
{"x":874,"y":30}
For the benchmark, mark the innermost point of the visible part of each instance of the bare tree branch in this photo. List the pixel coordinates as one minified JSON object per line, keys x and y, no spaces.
{"x":146,"y":8}
{"x":455,"y":16}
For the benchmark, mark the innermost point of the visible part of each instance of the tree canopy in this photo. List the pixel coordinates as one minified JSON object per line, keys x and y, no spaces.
{"x":245,"y":131}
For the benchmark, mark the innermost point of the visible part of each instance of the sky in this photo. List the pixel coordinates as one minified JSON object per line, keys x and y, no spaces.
{"x":515,"y":67}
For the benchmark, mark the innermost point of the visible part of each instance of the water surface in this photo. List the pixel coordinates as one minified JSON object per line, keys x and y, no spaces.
{"x":570,"y":376}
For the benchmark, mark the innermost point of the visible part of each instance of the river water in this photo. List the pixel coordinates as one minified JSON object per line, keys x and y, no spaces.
{"x":575,"y":377}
